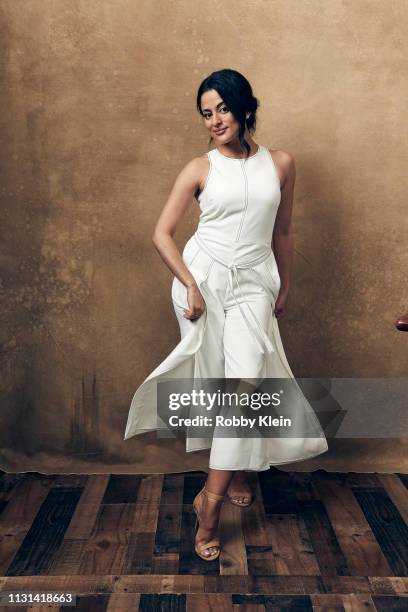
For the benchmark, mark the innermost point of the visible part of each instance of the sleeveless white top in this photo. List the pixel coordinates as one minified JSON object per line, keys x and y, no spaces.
{"x":238,"y":205}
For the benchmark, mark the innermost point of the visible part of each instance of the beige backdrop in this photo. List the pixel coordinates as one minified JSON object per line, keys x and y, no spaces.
{"x":98,"y":117}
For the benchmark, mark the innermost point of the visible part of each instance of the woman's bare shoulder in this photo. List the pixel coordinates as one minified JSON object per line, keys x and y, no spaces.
{"x":200,"y":166}
{"x":284,"y":162}
{"x":282,"y":157}
{"x":193,"y":169}
{"x":202,"y":161}
{"x":197,"y":163}
{"x":193,"y":174}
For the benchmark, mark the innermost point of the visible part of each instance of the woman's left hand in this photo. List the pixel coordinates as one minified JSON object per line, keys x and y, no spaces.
{"x":280,"y":304}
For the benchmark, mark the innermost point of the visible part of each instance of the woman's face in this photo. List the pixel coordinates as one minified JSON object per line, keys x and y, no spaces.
{"x":218,"y":119}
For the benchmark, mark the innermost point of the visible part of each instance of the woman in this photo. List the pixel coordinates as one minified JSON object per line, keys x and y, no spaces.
{"x":228,"y":290}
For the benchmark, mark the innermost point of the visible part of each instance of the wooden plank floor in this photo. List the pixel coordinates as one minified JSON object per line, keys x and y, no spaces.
{"x":311,"y":541}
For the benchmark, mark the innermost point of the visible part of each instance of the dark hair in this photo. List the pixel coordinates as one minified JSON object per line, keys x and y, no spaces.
{"x":236,"y":92}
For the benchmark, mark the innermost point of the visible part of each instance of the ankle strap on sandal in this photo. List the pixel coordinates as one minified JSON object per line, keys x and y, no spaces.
{"x":213,"y":496}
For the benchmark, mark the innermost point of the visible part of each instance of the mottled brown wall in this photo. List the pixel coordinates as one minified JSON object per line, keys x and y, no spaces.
{"x":98,"y":117}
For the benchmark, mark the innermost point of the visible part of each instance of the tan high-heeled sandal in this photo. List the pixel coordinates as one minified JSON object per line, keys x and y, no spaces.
{"x":215,"y":542}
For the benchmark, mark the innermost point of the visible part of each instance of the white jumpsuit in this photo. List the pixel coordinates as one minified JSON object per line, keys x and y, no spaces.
{"x":231,"y":258}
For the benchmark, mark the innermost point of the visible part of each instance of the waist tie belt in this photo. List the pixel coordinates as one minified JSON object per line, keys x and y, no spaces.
{"x":257,"y":330}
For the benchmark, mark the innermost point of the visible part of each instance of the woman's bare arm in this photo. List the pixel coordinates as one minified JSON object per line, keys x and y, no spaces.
{"x":187,"y":183}
{"x":282,"y":239}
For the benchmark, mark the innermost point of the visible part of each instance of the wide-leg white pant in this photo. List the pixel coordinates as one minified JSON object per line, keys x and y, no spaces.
{"x":230,"y":350}
{"x":237,"y":338}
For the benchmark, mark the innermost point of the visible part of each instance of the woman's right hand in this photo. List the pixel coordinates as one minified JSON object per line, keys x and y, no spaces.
{"x":196,"y":303}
